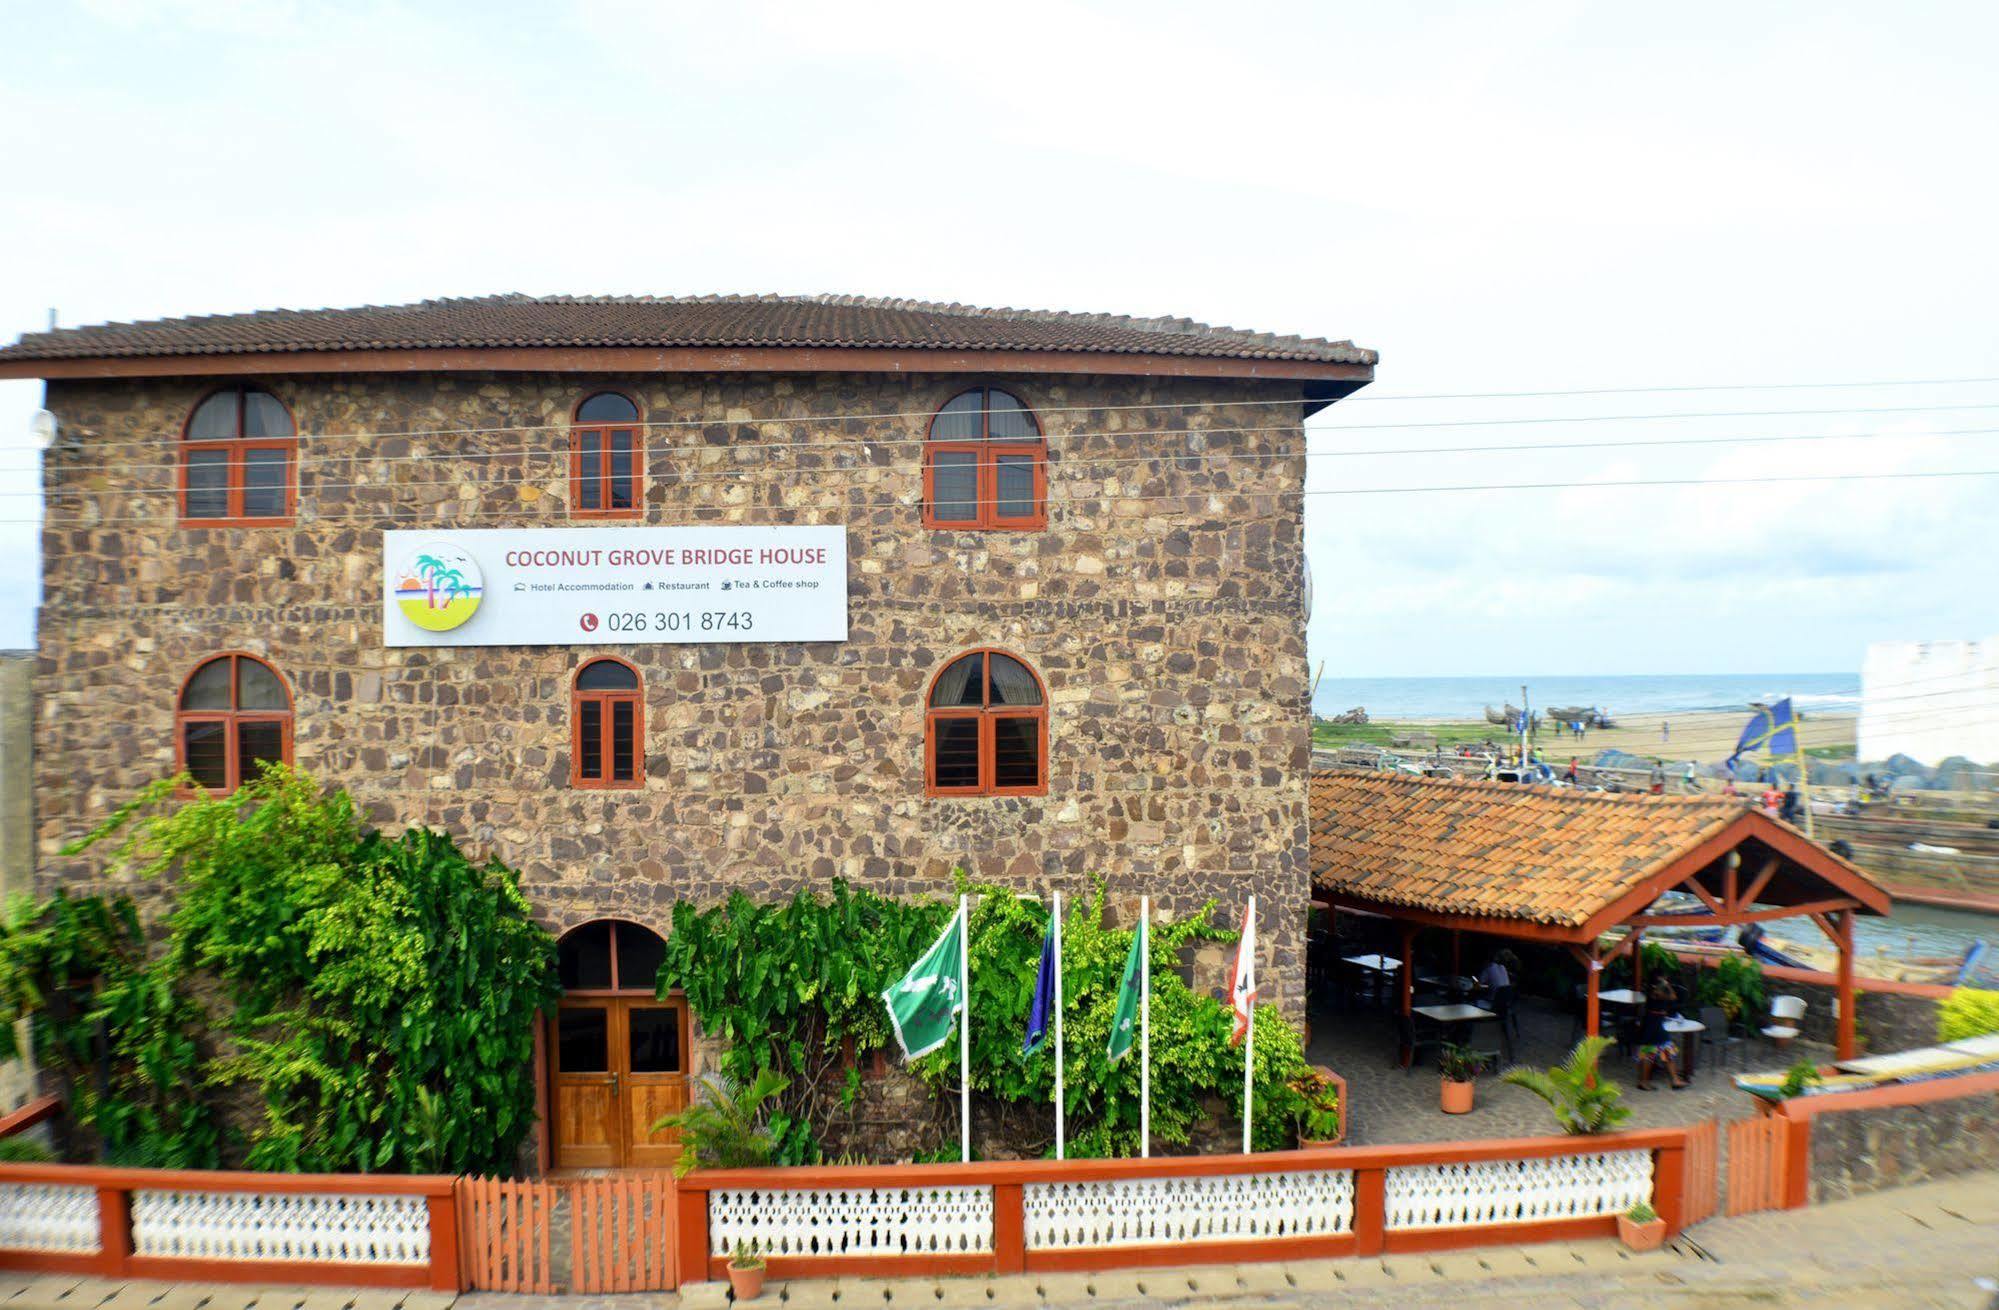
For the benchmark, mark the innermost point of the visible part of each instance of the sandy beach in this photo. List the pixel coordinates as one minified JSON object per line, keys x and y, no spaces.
{"x":1706,"y":737}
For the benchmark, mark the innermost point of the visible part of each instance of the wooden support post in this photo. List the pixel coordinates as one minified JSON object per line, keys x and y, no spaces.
{"x":1847,"y":999}
{"x":1592,"y":1008}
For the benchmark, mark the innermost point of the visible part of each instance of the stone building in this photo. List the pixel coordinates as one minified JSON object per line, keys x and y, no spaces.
{"x":1109,"y":506}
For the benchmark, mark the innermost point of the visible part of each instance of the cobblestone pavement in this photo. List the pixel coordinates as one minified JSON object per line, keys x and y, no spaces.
{"x":1388,"y":1104}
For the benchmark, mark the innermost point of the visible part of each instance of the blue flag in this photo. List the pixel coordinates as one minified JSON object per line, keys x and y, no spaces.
{"x":1043,"y":1012}
{"x":1773,"y":728}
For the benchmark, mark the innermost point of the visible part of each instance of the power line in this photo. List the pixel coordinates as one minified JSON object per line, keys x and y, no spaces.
{"x":850,"y":502}
{"x":738,"y":473}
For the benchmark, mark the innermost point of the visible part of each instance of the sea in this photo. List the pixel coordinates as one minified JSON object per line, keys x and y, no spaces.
{"x":1391,"y":699}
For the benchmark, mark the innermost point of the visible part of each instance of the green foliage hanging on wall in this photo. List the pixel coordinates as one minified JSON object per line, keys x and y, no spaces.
{"x":797,"y":987}
{"x":1967,"y":1012}
{"x":376,"y":996}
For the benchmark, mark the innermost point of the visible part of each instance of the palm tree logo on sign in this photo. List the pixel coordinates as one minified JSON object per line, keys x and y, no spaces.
{"x":440,"y":587}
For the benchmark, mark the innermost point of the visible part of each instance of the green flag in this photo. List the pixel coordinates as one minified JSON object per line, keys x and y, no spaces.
{"x":922,"y":1006}
{"x":1124,"y":1019}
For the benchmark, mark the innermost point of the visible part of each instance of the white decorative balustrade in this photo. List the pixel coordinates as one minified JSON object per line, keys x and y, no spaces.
{"x":852,"y":1221}
{"x":1476,"y":1193}
{"x":288,"y":1226}
{"x":55,"y":1217}
{"x":1117,"y":1212}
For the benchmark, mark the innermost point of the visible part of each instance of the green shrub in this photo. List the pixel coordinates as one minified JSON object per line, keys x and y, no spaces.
{"x":377,"y":997}
{"x":797,"y":986}
{"x":24,"y":1150}
{"x":1736,"y":985}
{"x":1967,"y":1012}
{"x":723,"y":1128}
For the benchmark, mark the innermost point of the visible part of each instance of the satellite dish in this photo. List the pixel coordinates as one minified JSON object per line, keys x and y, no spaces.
{"x":42,"y":429}
{"x":1308,"y":588}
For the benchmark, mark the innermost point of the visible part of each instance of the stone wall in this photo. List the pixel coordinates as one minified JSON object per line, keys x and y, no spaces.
{"x":17,"y":829}
{"x":1887,"y":1021}
{"x":1162,"y":607}
{"x":1858,"y":1151}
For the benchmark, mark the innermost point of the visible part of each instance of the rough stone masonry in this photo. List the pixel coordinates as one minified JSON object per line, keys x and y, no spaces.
{"x":1162,"y":606}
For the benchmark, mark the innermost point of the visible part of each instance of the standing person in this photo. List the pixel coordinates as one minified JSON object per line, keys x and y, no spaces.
{"x":1692,"y":781}
{"x":1665,"y":729}
{"x":1658,"y":777}
{"x":1655,"y":1044}
{"x":1571,"y":774}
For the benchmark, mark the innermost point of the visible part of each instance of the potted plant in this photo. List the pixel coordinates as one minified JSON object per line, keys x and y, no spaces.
{"x":1321,"y":1114}
{"x":1460,"y":1067}
{"x":1641,"y":1228}
{"x":746,"y":1273}
{"x":1582,"y":1102}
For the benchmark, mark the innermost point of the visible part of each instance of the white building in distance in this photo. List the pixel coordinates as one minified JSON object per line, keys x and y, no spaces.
{"x":1930,"y":700}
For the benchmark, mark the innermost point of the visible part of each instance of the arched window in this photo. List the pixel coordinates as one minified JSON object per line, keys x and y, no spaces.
{"x":238,"y":460}
{"x":609,"y":955}
{"x":234,"y":716}
{"x":988,"y":728}
{"x":608,"y":710}
{"x":985,"y":465}
{"x":606,"y":458}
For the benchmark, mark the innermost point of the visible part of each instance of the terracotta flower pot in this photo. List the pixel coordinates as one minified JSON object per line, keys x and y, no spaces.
{"x":1641,"y":1237}
{"x":1457,"y":1097}
{"x":748,"y":1284}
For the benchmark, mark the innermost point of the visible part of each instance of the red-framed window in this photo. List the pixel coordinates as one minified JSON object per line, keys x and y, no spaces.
{"x":986,"y":729}
{"x":607,"y":710}
{"x":985,"y":465}
{"x":239,"y":460}
{"x":607,"y":458}
{"x":234,"y":716}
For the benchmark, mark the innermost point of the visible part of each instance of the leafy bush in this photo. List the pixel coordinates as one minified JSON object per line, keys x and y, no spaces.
{"x":797,"y":986}
{"x":1797,"y":1078}
{"x":24,"y":1150}
{"x":1582,"y":1102}
{"x":1319,"y":1106}
{"x":1736,"y":985}
{"x":725,"y":1129}
{"x":1459,"y":1064}
{"x":1967,"y":1012}
{"x":376,"y":996}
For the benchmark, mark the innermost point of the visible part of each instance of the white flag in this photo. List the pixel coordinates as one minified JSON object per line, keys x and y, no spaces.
{"x":1243,"y":994}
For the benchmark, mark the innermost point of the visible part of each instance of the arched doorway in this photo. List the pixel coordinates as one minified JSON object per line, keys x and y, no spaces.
{"x":619,"y":1059}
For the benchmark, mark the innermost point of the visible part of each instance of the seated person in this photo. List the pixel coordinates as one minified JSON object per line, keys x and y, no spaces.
{"x":1655,"y":1044}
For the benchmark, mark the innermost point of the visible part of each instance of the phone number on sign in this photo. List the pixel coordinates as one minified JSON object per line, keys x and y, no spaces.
{"x":679,"y":621}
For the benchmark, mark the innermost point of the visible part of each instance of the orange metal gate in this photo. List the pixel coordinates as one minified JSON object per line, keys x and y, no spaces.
{"x":621,"y":1233}
{"x":1757,"y":1156}
{"x":504,"y":1235}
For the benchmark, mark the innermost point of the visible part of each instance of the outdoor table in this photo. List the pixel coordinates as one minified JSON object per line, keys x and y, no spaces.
{"x":1621,"y":996}
{"x":1459,"y":983}
{"x":1454,"y":1018}
{"x":1676,"y":1028}
{"x":1383,"y":965}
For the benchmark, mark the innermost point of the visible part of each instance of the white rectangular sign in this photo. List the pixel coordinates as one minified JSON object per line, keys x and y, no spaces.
{"x":613,"y":586}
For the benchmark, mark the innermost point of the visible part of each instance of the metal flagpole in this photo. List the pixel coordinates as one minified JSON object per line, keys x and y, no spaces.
{"x":1248,"y":1051}
{"x":1060,"y":1112}
{"x":1145,"y":1026}
{"x":964,"y":1029}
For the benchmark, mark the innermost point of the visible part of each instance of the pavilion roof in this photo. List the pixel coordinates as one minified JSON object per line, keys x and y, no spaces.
{"x":1548,"y":856}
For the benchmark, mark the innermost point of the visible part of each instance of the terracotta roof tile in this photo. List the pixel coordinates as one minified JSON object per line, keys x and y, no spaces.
{"x":661,"y":321}
{"x":1497,"y":849}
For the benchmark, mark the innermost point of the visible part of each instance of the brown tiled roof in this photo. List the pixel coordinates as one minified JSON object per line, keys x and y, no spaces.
{"x":661,"y":321}
{"x":1498,"y":850}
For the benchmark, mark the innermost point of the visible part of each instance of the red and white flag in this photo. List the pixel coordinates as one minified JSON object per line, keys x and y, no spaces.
{"x":1243,"y":994}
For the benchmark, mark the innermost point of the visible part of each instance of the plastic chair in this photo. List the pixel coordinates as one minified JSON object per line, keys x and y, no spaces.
{"x":1787,"y":1019}
{"x":1410,"y":1040}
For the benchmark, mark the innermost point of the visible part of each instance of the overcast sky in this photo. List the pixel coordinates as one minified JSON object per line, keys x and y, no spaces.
{"x":1497,"y":197}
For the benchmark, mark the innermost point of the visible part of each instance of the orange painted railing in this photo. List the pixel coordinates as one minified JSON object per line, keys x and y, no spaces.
{"x":1457,"y":1173}
{"x":1795,"y":1118}
{"x":218,"y":1226}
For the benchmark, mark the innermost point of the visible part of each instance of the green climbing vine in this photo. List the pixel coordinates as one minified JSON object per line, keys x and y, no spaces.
{"x":375,"y":997}
{"x":796,"y":987}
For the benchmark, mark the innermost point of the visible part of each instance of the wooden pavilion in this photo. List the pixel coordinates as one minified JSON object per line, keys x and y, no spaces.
{"x":1568,"y":868}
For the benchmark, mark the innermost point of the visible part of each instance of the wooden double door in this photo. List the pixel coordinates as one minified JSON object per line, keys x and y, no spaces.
{"x":619,"y":1064}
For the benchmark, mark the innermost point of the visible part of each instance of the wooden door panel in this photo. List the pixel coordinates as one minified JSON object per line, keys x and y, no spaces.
{"x":586,"y":1126}
{"x":588,"y":1044}
{"x":647,"y":1101}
